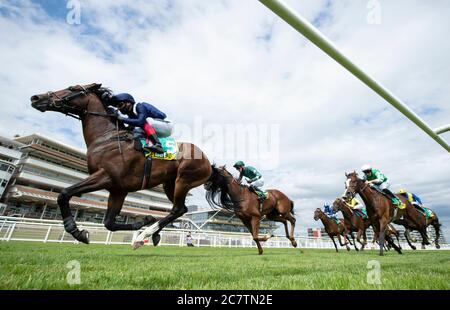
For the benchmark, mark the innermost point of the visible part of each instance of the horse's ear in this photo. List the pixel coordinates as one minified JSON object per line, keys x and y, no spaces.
{"x":346,"y":175}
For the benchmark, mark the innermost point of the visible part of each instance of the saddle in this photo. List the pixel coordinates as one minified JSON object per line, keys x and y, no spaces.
{"x":170,"y":148}
{"x":397,"y":202}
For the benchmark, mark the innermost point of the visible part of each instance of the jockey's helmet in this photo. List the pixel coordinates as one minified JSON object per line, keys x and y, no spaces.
{"x":239,"y":164}
{"x":402,"y":191}
{"x":366,"y":168}
{"x":119,"y":99}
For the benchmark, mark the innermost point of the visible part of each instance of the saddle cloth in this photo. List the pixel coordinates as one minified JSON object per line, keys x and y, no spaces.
{"x":169,"y":146}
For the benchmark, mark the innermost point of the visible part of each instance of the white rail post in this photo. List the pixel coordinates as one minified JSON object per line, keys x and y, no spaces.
{"x":303,"y":26}
{"x":11,"y":232}
{"x":47,"y":234}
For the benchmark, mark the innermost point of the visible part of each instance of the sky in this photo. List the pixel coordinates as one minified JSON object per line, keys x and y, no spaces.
{"x":243,"y":85}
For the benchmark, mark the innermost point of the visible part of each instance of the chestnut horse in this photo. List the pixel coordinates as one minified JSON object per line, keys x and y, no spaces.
{"x":224,"y":191}
{"x":380,"y":209}
{"x":332,"y":228}
{"x":114,"y":165}
{"x":353,"y":222}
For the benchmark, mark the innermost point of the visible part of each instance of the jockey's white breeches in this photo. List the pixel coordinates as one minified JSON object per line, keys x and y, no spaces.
{"x":163,"y":128}
{"x":384,"y":185}
{"x":258,"y":183}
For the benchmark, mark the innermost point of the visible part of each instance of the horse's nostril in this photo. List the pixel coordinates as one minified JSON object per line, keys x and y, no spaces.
{"x":34,"y":98}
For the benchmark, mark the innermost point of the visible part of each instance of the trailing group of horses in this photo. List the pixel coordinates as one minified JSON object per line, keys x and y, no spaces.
{"x":116,"y":166}
{"x":381,"y":214}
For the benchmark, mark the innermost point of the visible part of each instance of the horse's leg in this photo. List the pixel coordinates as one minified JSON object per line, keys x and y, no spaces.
{"x":423,"y":233}
{"x":354,"y":242}
{"x":255,"y":233}
{"x":408,"y":238}
{"x":115,"y":203}
{"x":292,"y":220}
{"x":335,"y":246}
{"x":169,"y":189}
{"x":97,"y":181}
{"x":437,"y":229}
{"x":179,"y":208}
{"x":382,"y":236}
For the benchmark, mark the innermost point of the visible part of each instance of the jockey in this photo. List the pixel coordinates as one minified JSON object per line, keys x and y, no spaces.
{"x":253,"y":177}
{"x":140,"y":115}
{"x":380,"y":181}
{"x":356,"y":206}
{"x":328,"y":210}
{"x":415,"y":201}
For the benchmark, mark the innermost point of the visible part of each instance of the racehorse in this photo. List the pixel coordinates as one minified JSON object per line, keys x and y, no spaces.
{"x":114,"y":165}
{"x":332,"y":228}
{"x":225,"y":192}
{"x":421,"y":226}
{"x":381,"y":210}
{"x":354,"y":222}
{"x":390,"y":231}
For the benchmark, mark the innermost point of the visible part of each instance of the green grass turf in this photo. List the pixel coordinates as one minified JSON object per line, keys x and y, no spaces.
{"x":30,"y":265}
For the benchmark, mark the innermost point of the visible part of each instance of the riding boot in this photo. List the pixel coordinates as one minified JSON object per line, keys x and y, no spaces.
{"x":156,"y":147}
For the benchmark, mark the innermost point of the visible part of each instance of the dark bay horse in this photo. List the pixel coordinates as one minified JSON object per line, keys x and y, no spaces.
{"x":332,"y":228}
{"x":353,"y":222}
{"x":114,"y":165}
{"x":421,"y":226}
{"x":224,"y":191}
{"x":380,"y":209}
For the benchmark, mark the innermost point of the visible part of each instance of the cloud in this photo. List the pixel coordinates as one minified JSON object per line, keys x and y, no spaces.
{"x":235,"y":62}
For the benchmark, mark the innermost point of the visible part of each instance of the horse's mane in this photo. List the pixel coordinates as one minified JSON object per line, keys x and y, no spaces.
{"x":104,"y":94}
{"x":218,"y":195}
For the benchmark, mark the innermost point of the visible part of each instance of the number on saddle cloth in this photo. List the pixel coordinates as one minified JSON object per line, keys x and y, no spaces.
{"x":169,"y":146}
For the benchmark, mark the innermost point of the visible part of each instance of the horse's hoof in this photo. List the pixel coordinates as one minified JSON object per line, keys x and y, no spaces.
{"x":294,"y":244}
{"x":413,"y":247}
{"x":348,"y":249}
{"x":148,"y":220}
{"x":137,"y":244}
{"x":82,"y":236}
{"x":156,"y":238}
{"x":438,"y":246}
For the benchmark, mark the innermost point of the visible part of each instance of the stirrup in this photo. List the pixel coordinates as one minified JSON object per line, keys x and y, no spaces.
{"x":157,"y":148}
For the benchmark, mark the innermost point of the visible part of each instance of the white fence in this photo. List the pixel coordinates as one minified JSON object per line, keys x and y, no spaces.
{"x":23,"y":229}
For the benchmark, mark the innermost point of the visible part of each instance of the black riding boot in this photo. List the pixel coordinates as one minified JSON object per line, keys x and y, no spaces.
{"x":156,"y":147}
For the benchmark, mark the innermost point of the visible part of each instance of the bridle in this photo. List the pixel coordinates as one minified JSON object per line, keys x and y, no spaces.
{"x":62,"y":103}
{"x":353,"y":194}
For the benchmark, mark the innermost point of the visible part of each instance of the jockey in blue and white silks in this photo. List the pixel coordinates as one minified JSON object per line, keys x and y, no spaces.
{"x":328,"y":210}
{"x":141,"y":115}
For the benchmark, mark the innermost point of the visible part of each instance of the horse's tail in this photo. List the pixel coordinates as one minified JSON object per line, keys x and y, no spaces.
{"x":217,"y":194}
{"x":292,"y":208}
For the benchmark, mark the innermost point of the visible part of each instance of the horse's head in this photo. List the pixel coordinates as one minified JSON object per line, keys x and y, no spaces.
{"x":317,"y":214}
{"x":217,"y":191}
{"x":352,"y":184}
{"x":73,"y":100}
{"x":337,"y":205}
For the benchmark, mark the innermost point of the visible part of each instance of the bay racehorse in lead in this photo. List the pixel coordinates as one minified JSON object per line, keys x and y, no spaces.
{"x":114,"y":164}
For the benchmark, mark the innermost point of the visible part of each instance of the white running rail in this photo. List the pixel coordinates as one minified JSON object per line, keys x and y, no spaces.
{"x":303,"y":26}
{"x":50,"y":231}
